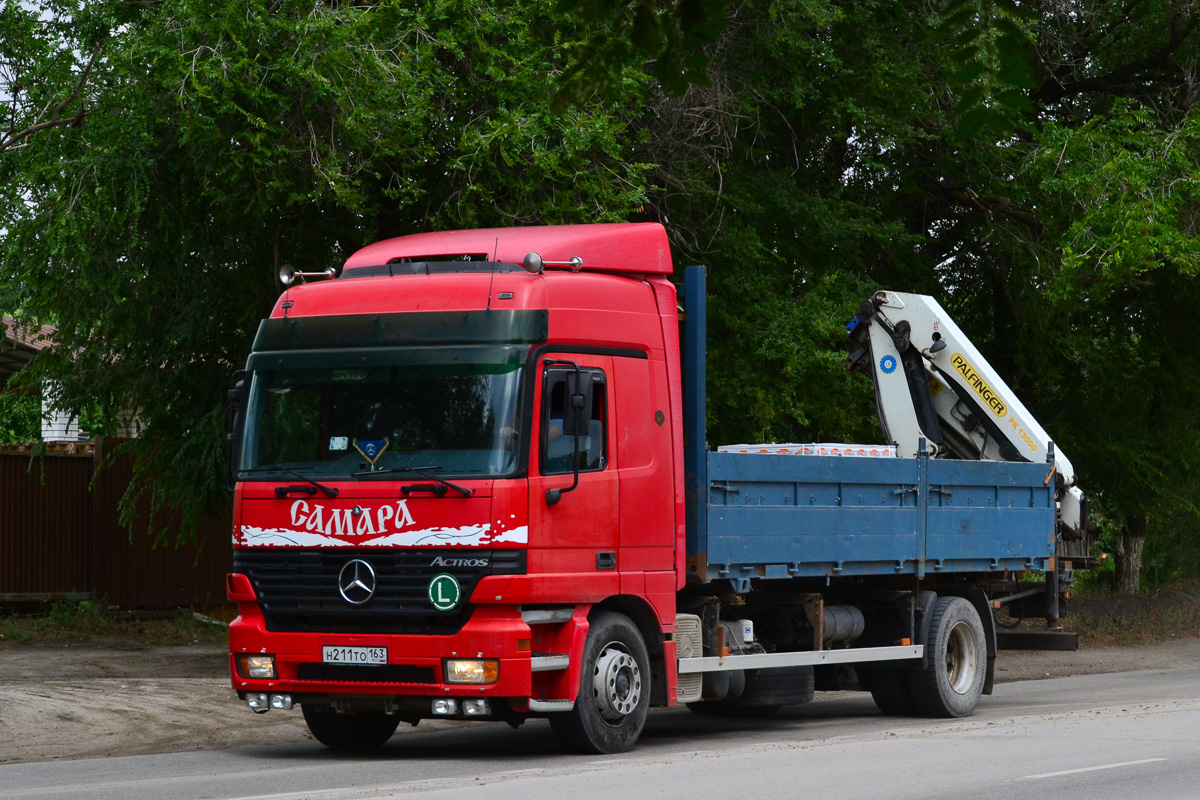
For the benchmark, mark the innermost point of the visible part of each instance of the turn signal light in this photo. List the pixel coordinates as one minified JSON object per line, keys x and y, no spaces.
{"x":258,"y":667}
{"x":461,"y":670}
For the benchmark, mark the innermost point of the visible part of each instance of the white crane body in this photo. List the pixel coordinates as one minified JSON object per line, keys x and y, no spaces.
{"x":933,"y":384}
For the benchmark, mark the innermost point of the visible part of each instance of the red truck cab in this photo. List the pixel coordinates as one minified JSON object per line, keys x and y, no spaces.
{"x":459,"y":488}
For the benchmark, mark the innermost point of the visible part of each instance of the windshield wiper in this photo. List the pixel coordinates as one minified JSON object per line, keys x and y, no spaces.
{"x":423,"y":472}
{"x":281,"y":491}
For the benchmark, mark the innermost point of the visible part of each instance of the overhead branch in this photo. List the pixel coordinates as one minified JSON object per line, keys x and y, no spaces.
{"x":990,"y":207}
{"x":52,"y":116}
{"x":1121,"y":78}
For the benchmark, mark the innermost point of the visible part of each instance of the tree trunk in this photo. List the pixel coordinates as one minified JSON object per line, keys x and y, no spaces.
{"x":1131,"y":538}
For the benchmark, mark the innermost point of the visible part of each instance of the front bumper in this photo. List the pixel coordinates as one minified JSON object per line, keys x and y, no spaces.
{"x":415,"y":663}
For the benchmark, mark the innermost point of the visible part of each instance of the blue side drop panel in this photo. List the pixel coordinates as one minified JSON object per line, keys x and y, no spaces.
{"x":777,"y":516}
{"x":985,"y":516}
{"x":780,"y":516}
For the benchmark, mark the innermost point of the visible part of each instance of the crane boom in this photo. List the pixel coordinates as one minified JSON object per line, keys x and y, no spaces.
{"x":932,"y":383}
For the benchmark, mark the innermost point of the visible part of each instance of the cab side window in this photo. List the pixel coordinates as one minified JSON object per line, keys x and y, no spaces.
{"x":558,"y":447}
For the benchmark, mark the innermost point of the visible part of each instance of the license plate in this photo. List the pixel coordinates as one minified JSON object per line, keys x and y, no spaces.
{"x":371,"y":656}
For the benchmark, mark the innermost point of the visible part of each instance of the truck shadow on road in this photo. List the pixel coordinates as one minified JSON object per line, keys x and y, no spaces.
{"x":667,"y":729}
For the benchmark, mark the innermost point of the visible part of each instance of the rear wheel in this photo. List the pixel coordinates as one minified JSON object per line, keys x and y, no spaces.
{"x":614,"y":693}
{"x":889,"y":690}
{"x":349,"y":732}
{"x":952,"y":683}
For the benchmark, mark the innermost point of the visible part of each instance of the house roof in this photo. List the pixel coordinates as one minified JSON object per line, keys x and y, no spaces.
{"x":21,"y":343}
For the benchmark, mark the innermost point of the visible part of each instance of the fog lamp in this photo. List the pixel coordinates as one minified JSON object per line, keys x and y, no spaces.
{"x":249,"y":666}
{"x":475,"y":707}
{"x":461,"y":670}
{"x":445,"y":705}
{"x":282,"y":702}
{"x":258,"y":702}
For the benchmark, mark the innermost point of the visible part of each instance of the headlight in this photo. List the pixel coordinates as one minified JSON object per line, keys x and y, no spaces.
{"x":249,"y":666}
{"x":460,"y":670}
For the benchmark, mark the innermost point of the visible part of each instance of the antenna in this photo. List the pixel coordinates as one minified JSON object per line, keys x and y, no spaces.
{"x":492,"y":280}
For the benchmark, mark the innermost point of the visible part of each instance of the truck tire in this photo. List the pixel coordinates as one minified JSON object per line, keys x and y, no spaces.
{"x":889,"y":689}
{"x":767,"y":691}
{"x":951,"y":684}
{"x":614,"y":692}
{"x":349,"y":732}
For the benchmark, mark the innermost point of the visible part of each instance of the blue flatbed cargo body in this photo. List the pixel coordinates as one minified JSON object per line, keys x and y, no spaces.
{"x":771,"y":516}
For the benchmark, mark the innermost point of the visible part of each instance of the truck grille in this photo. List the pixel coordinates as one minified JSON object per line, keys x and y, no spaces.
{"x":298,"y":589}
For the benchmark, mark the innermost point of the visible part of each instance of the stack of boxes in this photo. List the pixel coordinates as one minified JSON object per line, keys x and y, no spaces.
{"x":814,"y":449}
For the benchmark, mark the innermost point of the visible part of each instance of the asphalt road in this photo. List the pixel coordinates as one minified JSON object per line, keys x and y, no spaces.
{"x":1121,"y":735}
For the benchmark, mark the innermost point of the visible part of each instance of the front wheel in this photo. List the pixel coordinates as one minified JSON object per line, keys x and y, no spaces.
{"x":614,"y":693}
{"x":951,"y":684}
{"x":349,"y":732}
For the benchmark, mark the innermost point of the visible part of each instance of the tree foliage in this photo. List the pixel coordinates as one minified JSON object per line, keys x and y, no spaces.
{"x":42,"y":76}
{"x":1033,"y":165}
{"x":224,"y":139}
{"x":842,"y":147}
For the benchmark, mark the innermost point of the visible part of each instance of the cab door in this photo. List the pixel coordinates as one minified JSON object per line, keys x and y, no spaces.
{"x":573,"y":524}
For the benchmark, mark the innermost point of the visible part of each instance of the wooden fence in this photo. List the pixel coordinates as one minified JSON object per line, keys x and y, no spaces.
{"x":60,"y":537}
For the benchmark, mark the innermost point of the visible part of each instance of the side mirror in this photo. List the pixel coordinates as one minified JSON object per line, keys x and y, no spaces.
{"x":235,"y":424}
{"x":577,"y":413}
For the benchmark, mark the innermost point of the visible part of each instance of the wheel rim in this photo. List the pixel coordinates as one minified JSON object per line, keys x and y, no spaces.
{"x":617,"y":683}
{"x":962,"y":658}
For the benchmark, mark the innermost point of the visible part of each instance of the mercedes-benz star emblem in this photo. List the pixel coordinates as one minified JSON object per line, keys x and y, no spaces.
{"x":356,"y":582}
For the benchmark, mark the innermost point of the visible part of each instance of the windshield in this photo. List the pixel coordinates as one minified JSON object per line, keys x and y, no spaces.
{"x":323,"y":420}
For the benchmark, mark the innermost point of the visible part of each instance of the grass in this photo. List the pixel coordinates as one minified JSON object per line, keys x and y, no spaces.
{"x":1115,"y":619}
{"x":86,"y":621}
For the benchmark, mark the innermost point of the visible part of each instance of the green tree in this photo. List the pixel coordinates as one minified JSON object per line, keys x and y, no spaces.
{"x":43,"y":77}
{"x":224,"y":139}
{"x":1123,"y":195}
{"x":20,"y":417}
{"x":792,"y":176}
{"x":1075,"y":254}
{"x":831,"y":149}
{"x":827,"y":158}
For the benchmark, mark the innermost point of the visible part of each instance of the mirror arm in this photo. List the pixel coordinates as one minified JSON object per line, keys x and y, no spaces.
{"x":554,"y":495}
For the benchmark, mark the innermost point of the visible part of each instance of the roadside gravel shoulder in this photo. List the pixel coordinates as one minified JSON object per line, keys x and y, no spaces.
{"x":88,"y":701}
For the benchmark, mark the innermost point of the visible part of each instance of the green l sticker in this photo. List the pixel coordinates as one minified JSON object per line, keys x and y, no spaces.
{"x":444,"y":592}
